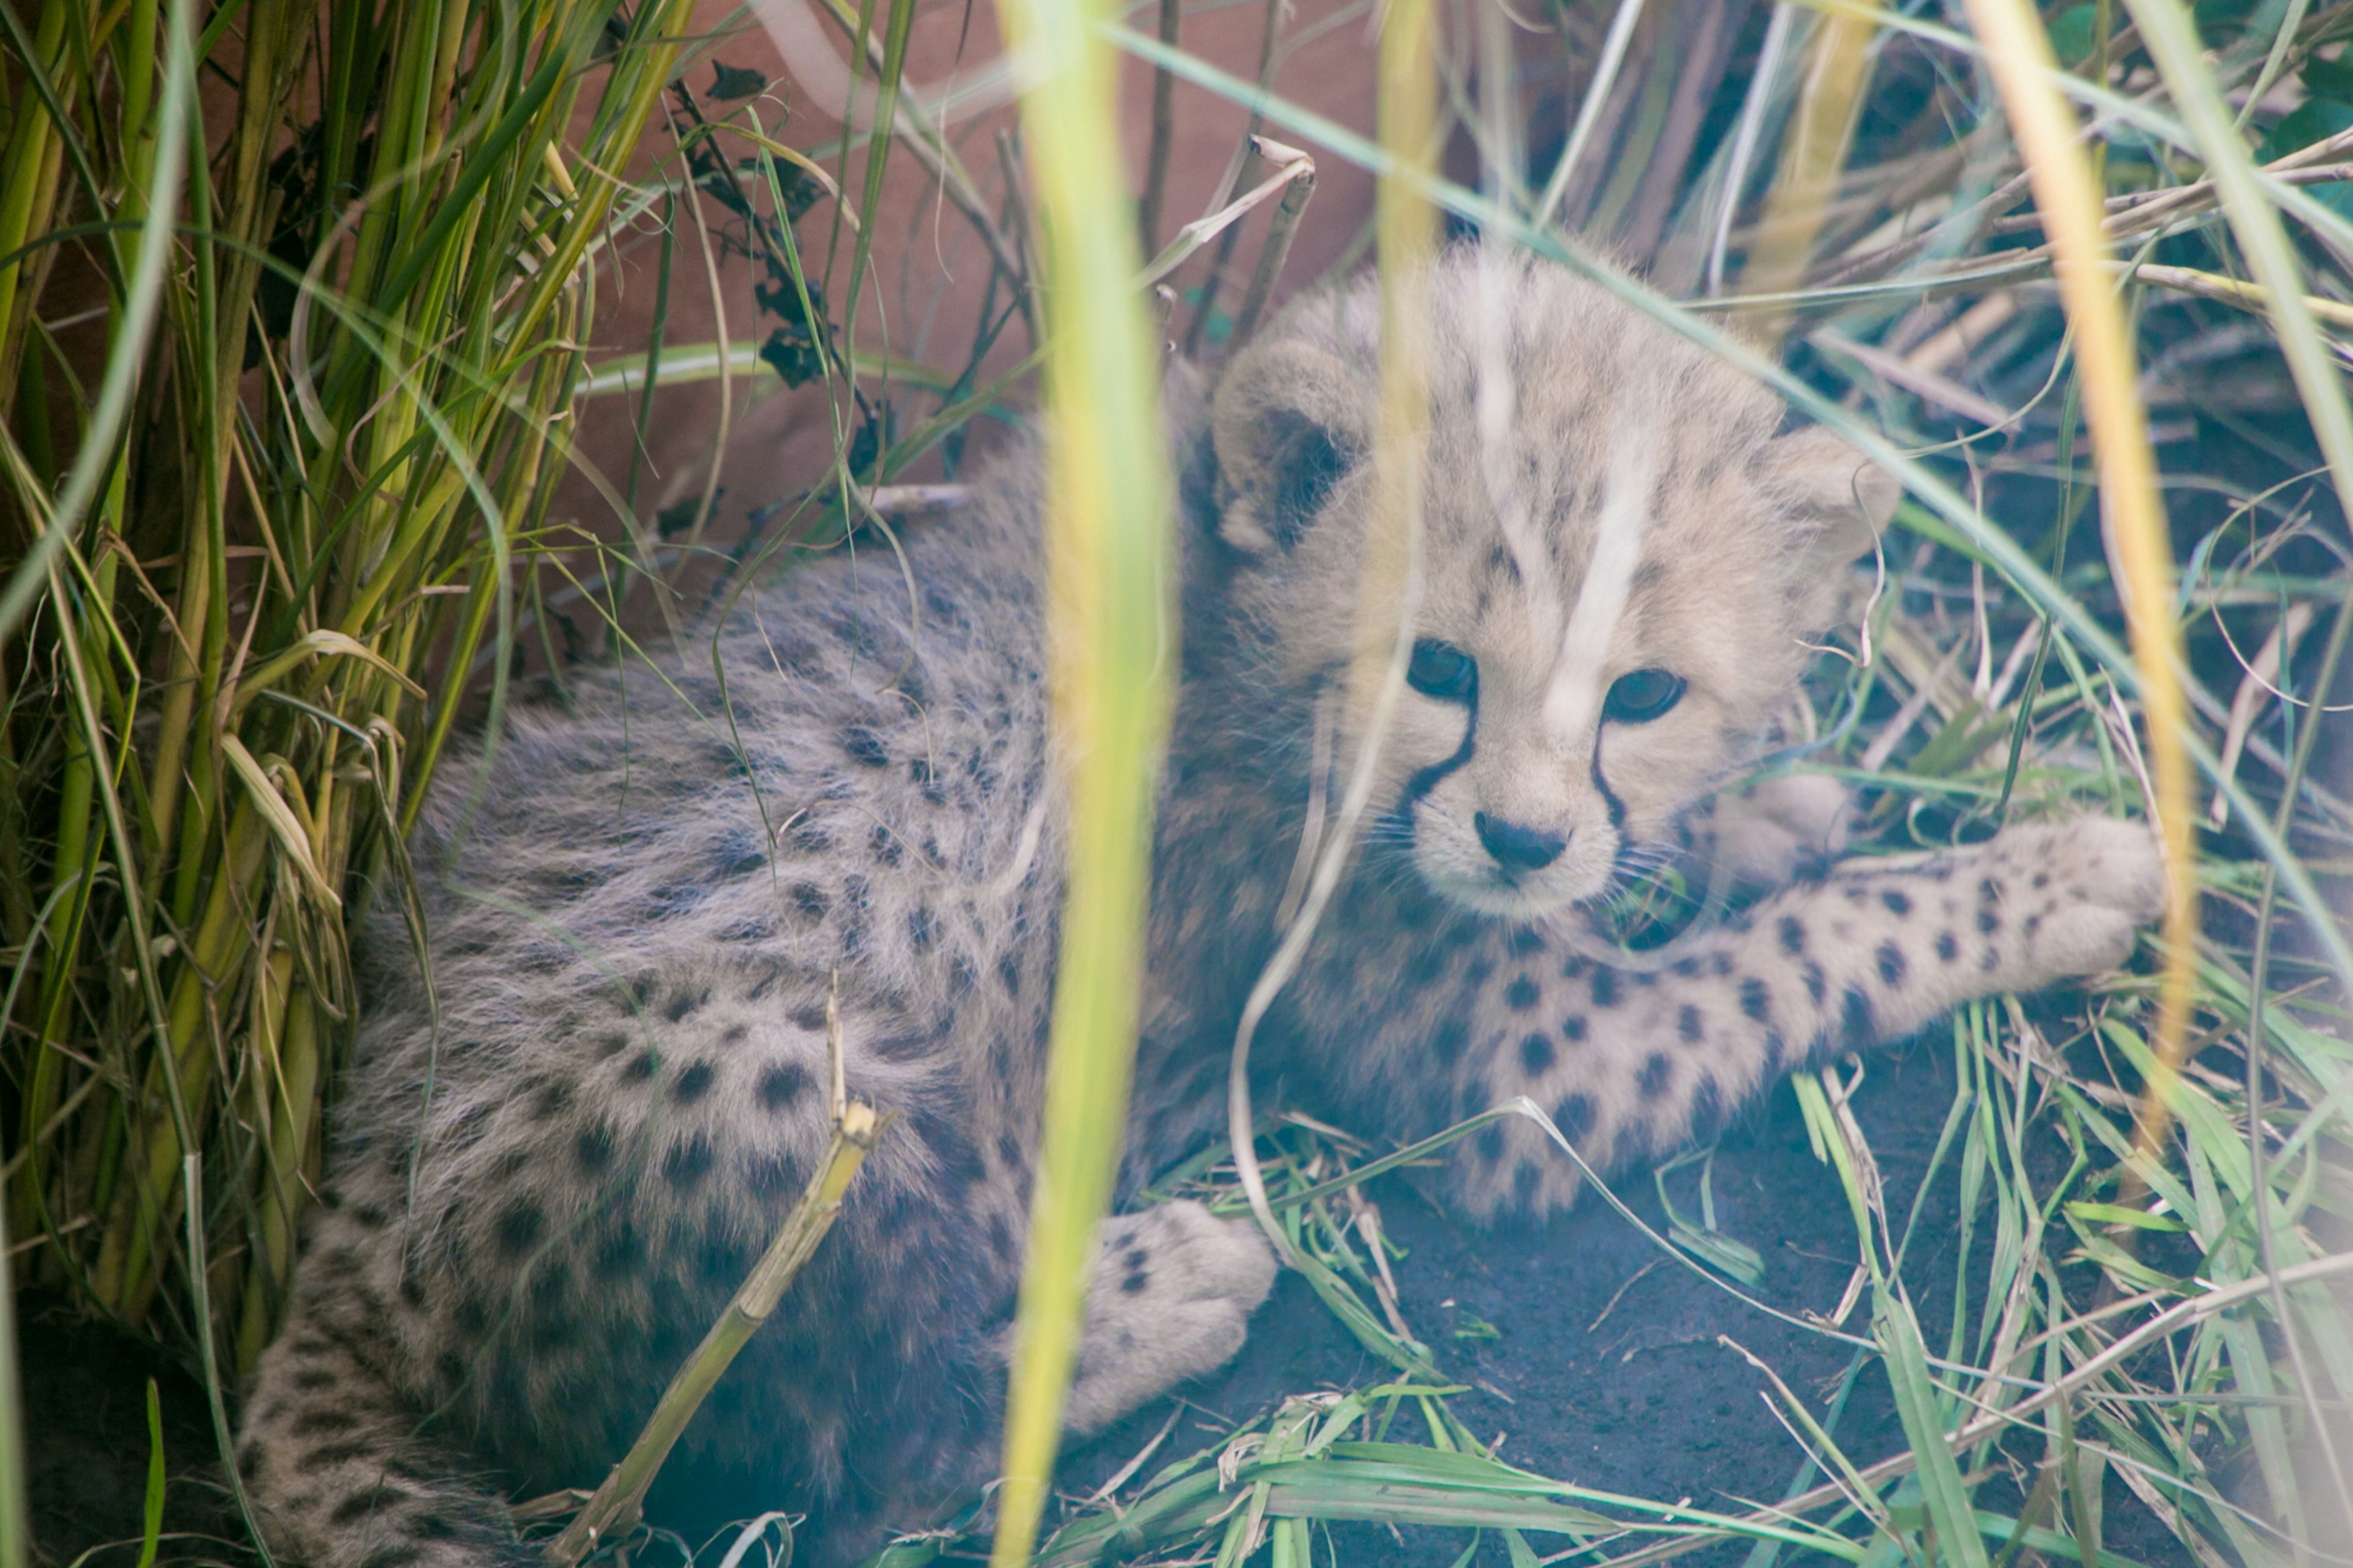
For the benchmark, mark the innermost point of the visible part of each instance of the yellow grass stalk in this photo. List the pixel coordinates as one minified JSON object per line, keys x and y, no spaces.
{"x":1113,"y":636}
{"x":2019,"y":53}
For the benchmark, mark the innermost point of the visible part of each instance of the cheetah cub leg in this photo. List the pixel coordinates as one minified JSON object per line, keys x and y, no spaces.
{"x":1640,"y":1062}
{"x":1173,"y":1288}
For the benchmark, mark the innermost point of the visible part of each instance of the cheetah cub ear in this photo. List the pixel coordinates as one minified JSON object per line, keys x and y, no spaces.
{"x":1289,"y":422}
{"x":1836,"y":502}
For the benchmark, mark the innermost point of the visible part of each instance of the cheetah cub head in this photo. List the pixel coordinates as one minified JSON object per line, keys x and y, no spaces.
{"x":1624,"y":563}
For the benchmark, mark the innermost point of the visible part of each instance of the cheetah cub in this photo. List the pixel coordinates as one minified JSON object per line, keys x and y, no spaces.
{"x":637,"y":913}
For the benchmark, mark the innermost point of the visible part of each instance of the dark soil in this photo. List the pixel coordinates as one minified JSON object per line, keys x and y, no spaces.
{"x":88,"y":1447}
{"x":1640,"y":1398}
{"x":1637,"y":1397}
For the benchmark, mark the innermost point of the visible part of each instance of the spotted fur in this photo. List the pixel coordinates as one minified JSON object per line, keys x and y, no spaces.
{"x":540,"y":1194}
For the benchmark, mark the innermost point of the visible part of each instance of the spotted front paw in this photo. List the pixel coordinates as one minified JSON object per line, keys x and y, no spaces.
{"x":1173,"y":1292}
{"x":2080,"y":890}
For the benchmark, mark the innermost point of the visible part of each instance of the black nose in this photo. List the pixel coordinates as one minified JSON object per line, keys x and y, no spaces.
{"x":1517,"y":848}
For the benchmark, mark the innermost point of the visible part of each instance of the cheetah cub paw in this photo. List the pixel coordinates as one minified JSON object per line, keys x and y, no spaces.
{"x":1173,"y":1288}
{"x":1779,"y":830}
{"x":2085,"y":887}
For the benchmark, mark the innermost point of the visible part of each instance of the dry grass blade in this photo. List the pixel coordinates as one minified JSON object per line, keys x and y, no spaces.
{"x":2018,"y":52}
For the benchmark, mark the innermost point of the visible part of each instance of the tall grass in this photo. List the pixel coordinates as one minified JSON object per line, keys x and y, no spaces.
{"x":1111,"y":613}
{"x":249,"y":570}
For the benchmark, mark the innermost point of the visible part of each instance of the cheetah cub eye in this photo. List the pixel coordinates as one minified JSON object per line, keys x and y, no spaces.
{"x":1440,"y":669}
{"x":1641,"y":695}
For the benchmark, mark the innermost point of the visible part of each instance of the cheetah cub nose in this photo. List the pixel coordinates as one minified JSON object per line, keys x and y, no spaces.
{"x":1517,"y":848}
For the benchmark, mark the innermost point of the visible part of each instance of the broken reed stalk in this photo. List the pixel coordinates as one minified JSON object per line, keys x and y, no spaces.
{"x":614,"y":1507}
{"x":2018,"y":52}
{"x":1163,"y":135}
{"x":1279,"y":230}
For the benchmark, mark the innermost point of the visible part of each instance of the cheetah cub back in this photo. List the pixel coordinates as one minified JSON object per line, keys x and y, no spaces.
{"x":541,"y":1195}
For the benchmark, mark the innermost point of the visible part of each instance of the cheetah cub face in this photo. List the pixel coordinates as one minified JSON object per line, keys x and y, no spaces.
{"x":1623,"y":564}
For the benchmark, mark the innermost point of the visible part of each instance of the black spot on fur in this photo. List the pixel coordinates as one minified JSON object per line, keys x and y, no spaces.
{"x":864,"y":747}
{"x":638,"y":1069}
{"x":693,"y":1083}
{"x":550,"y":1098}
{"x":323,"y":1420}
{"x":1989,"y":921}
{"x":593,"y":1148}
{"x":810,"y":900}
{"x":1947,"y":947}
{"x":884,"y":844}
{"x":1525,"y":943}
{"x":1447,"y":1044}
{"x":1687,"y":968}
{"x":686,"y":1162}
{"x":1605,"y":988}
{"x":327,"y":1456}
{"x":1755,"y":999}
{"x":921,"y":928}
{"x":1522,"y":994}
{"x":1891,"y":964}
{"x":1707,"y":1108}
{"x":1536,"y":1054}
{"x":1135,"y":1283}
{"x":1657,"y":1073}
{"x":520,"y":1227}
{"x":1898,"y":904}
{"x":431,"y":1527}
{"x":781,"y":1084}
{"x":1857,"y":1027}
{"x":1817,"y":987}
{"x":1793,"y":934}
{"x":1572,"y":1029}
{"x":618,"y":1252}
{"x":1574,"y":1117}
{"x":770,"y":1177}
{"x":685,"y":1001}
{"x":1691,"y":1025}
{"x":736,"y":853}
{"x":1008,"y":975}
{"x":1490,"y":1144}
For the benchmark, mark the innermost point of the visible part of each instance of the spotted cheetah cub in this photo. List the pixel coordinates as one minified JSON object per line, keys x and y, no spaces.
{"x":637,"y":910}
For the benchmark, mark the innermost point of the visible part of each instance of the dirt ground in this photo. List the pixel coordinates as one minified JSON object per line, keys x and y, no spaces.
{"x":1606,"y":1368}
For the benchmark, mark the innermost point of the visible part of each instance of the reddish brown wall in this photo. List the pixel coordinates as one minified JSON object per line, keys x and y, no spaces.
{"x":929,"y":261}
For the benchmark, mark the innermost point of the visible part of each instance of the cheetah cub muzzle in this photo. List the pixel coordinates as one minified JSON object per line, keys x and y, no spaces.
{"x":639,"y":904}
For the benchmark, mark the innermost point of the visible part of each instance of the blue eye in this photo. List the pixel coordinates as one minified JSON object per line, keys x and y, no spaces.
{"x":1440,"y":669}
{"x":1641,"y":695}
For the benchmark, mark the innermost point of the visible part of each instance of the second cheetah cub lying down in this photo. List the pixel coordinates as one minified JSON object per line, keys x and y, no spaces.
{"x":532,"y":1217}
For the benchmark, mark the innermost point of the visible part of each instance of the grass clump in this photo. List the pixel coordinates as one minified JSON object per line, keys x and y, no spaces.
{"x":286,"y":391}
